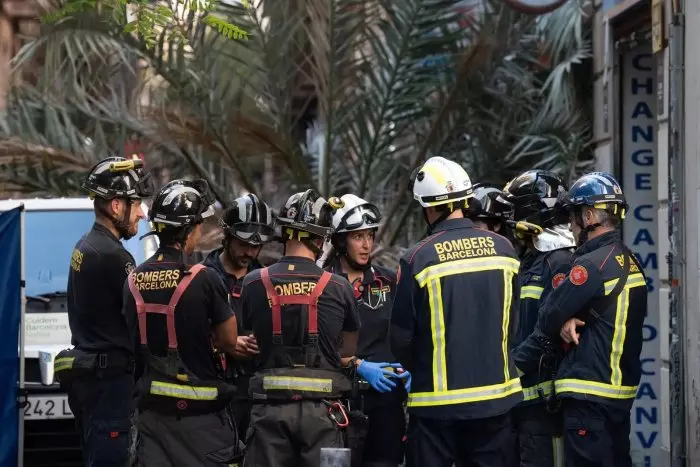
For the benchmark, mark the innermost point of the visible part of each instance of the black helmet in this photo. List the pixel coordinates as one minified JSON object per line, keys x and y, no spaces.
{"x":308,"y":212}
{"x":249,"y":220}
{"x":490,"y":205}
{"x":182,"y":203}
{"x":116,"y":177}
{"x":534,"y":195}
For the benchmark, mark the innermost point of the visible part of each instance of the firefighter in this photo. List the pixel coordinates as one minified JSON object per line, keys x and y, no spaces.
{"x":488,"y":211}
{"x":248,"y":225}
{"x":354,"y":228}
{"x":298,"y":384}
{"x":599,"y":309}
{"x":173,"y":310}
{"x":451,"y":328}
{"x":544,"y":264}
{"x":98,"y":373}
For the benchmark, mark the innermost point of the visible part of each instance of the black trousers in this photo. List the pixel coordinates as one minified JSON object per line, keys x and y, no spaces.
{"x":540,"y":436}
{"x":103,"y":408}
{"x":208,"y":440}
{"x":487,"y":442}
{"x":387,"y":427}
{"x":596,"y":435}
{"x":290,"y":434}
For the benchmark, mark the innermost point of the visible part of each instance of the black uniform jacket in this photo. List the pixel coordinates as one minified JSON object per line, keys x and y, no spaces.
{"x":98,"y":268}
{"x":605,"y":366}
{"x":293,"y":275}
{"x":233,"y":284}
{"x":452,"y":322}
{"x":375,"y":296}
{"x":203,"y":306}
{"x":539,"y":274}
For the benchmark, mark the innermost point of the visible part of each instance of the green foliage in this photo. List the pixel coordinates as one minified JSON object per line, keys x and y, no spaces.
{"x":148,"y":19}
{"x":388,"y":84}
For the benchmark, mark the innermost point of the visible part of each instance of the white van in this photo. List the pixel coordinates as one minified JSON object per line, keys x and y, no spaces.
{"x":52,"y":227}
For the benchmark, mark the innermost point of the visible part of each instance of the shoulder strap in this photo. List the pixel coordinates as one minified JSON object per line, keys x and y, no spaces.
{"x":275,"y":300}
{"x":313,"y":301}
{"x":142,"y":308}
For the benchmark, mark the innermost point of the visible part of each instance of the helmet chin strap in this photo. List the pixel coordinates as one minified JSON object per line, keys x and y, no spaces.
{"x":121,"y":225}
{"x":443,"y":215}
{"x":585,"y":229}
{"x":340,"y":246}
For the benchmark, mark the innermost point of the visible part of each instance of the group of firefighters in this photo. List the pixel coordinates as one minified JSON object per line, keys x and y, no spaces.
{"x":512,"y":332}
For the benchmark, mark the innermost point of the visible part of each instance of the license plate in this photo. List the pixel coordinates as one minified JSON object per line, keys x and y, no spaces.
{"x":47,"y":407}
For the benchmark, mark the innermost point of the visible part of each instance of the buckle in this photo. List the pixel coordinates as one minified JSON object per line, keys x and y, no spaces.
{"x":102,"y":360}
{"x":277,"y":339}
{"x":313,"y":339}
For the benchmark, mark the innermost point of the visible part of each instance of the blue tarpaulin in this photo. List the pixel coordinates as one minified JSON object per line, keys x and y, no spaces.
{"x":10,"y":311}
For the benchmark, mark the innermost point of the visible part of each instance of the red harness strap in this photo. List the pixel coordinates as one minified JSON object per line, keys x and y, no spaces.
{"x":143,"y":308}
{"x":310,"y":300}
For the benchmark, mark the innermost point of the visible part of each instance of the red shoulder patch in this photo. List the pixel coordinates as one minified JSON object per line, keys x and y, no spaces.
{"x":558,"y":279}
{"x":578,"y":275}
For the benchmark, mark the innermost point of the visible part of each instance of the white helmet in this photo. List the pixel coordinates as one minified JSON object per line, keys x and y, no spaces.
{"x":440,"y":181}
{"x":356,"y":214}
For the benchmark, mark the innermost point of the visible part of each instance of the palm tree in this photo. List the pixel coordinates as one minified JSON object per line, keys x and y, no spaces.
{"x":339,"y":95}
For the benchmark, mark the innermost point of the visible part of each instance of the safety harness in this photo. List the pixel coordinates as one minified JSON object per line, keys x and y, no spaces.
{"x":170,"y":384}
{"x":308,"y":377}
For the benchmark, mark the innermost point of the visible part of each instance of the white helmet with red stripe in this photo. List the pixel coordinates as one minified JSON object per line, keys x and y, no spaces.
{"x":440,"y":181}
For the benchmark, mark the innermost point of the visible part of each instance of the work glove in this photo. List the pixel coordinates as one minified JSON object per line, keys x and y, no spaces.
{"x":377,"y":376}
{"x":405,"y":375}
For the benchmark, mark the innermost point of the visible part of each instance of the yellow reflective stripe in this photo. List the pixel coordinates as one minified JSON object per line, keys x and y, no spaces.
{"x":595,"y":388}
{"x":558,"y":451}
{"x":619,"y":334}
{"x":461,"y":396}
{"x":297,"y":384}
{"x":531,"y":291}
{"x":437,"y":320}
{"x":620,"y":324}
{"x":531,"y":393}
{"x":179,"y":391}
{"x":633,"y":280}
{"x":507,"y":299}
{"x":461,"y":266}
{"x":63,"y":363}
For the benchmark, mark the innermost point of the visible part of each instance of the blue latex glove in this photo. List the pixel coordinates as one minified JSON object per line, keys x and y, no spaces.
{"x":406,"y":377}
{"x":376,"y":376}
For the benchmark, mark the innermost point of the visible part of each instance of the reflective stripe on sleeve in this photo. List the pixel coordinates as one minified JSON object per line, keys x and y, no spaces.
{"x":531,"y":393}
{"x":64,"y":363}
{"x":594,"y":388}
{"x":531,"y":291}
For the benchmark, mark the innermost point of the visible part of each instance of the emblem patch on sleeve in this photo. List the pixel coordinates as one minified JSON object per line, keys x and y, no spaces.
{"x":128,"y":267}
{"x":578,"y":275}
{"x":558,"y":279}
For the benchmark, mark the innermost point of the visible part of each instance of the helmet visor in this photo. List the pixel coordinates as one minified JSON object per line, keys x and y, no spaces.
{"x":249,"y":232}
{"x":365,"y":216}
{"x":145,"y":187}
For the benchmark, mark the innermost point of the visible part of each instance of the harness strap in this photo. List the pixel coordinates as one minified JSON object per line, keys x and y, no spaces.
{"x":143,"y":308}
{"x":310,"y":300}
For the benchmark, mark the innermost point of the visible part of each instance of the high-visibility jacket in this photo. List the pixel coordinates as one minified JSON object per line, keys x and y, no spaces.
{"x":171,"y":387}
{"x":452,"y":322}
{"x":539,"y":274}
{"x":605,"y":366}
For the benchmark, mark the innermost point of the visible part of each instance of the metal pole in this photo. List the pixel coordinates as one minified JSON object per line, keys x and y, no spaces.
{"x":676,"y":184}
{"x":23,"y":306}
